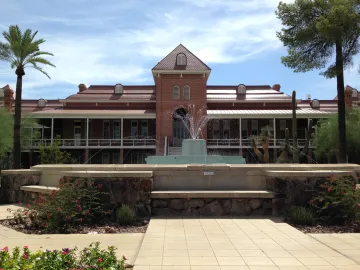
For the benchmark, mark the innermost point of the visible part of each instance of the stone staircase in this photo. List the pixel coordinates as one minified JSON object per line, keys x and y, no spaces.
{"x":174,"y":151}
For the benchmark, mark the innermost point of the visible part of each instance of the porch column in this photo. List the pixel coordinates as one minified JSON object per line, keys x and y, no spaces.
{"x":240,"y":132}
{"x":86,"y":156}
{"x":274,"y":123}
{"x":122,"y":132}
{"x":87,"y":131}
{"x":52,"y":130}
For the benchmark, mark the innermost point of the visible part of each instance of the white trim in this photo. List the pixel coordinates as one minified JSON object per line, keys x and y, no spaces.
{"x":94,"y":116}
{"x":105,"y":101}
{"x":270,"y":116}
{"x":250,"y":101}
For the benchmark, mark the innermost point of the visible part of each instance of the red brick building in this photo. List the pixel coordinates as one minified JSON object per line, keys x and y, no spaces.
{"x":125,"y":124}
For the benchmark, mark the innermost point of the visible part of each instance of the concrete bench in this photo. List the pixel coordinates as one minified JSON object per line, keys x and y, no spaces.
{"x":210,"y":194}
{"x":109,"y":174}
{"x":38,"y":189}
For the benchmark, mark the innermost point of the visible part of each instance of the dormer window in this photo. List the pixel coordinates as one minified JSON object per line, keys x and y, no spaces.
{"x":315,"y":104}
{"x":41,"y":103}
{"x":181,"y":59}
{"x":118,"y":89}
{"x":241,"y":89}
{"x":176,"y":92}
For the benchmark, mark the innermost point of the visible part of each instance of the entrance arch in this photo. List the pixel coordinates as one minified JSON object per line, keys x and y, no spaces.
{"x":180,"y":126}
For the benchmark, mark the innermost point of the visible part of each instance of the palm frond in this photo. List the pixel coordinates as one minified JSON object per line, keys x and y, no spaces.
{"x":41,"y":70}
{"x":5,"y":52}
{"x":40,"y":60}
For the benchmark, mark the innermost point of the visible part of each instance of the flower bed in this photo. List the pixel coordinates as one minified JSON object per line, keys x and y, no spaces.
{"x":77,"y":207}
{"x":90,"y":258}
{"x":333,"y":207}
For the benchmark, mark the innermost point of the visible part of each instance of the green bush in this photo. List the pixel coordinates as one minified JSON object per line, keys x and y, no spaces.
{"x":300,"y":215}
{"x":337,"y":201}
{"x":75,"y":203}
{"x":125,"y":215}
{"x":90,"y":258}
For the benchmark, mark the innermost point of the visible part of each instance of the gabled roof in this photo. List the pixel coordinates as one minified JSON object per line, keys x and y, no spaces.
{"x":169,"y":62}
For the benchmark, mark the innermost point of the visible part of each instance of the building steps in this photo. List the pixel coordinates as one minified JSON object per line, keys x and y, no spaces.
{"x":174,"y":151}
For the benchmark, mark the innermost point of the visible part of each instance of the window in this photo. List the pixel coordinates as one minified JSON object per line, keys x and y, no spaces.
{"x":106,"y":129}
{"x":42,"y":103}
{"x":226,"y":129}
{"x":216,"y":129}
{"x":116,"y":126}
{"x":254,"y":127}
{"x":181,"y":59}
{"x":90,"y":129}
{"x":105,"y":158}
{"x":118,"y":89}
{"x":144,"y":128}
{"x":176,"y":92}
{"x":186,"y":92}
{"x":116,"y":158}
{"x":134,"y":128}
{"x":241,"y":89}
{"x":244,"y":129}
{"x":355,"y":93}
{"x":77,"y":132}
{"x":282,"y":129}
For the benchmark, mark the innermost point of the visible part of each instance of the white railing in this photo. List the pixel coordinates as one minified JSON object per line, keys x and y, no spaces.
{"x":95,"y":143}
{"x":246,"y":142}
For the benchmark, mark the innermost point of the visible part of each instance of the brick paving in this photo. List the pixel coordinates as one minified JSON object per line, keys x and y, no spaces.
{"x":239,"y":244}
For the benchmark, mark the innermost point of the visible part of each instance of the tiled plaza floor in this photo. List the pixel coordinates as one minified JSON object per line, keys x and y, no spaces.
{"x":239,"y":244}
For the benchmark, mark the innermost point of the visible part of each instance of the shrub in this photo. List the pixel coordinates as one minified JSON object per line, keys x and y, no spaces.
{"x":300,"y":215}
{"x":74,"y":204}
{"x":337,"y":201}
{"x":125,"y":215}
{"x":90,"y":258}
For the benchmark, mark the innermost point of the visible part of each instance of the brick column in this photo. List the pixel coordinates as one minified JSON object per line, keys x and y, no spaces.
{"x":348,"y":96}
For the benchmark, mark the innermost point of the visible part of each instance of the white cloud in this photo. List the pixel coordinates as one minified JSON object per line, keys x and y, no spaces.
{"x":124,"y":50}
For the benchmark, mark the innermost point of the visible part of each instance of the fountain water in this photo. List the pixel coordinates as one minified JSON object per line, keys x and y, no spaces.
{"x":194,"y":150}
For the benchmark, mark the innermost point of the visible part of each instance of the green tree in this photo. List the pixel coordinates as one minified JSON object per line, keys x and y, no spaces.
{"x":52,"y":154}
{"x":21,"y":50}
{"x":327,"y":137}
{"x":313,"y":32}
{"x":6,"y":135}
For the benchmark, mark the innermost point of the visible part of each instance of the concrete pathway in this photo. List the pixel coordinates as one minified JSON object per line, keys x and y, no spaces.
{"x":4,"y":213}
{"x":238,"y":244}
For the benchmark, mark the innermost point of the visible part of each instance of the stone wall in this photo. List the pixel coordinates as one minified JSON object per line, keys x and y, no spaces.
{"x":121,"y":190}
{"x":11,"y":182}
{"x":210,"y":207}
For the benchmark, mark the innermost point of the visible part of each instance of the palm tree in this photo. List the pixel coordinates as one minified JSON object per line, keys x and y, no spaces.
{"x":21,"y":50}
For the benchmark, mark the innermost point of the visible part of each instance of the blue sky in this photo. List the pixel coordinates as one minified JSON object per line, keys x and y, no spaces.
{"x":109,"y":42}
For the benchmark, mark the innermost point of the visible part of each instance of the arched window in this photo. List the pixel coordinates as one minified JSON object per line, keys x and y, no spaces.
{"x":186,"y":92}
{"x":176,"y":92}
{"x":181,"y":59}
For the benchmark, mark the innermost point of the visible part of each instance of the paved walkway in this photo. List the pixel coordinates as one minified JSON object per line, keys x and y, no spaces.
{"x":238,"y":244}
{"x":4,"y":213}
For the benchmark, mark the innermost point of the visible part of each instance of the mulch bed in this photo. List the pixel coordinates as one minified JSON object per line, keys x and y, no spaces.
{"x":350,"y":228}
{"x":86,"y":229}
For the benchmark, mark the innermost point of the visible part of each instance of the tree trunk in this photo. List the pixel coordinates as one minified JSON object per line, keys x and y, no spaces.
{"x":341,"y":102}
{"x":17,"y":125}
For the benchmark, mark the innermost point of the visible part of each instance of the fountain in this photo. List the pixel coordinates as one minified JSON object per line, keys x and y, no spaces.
{"x":194,"y":150}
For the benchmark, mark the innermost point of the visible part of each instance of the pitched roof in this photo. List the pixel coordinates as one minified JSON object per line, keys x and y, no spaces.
{"x":169,"y":62}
